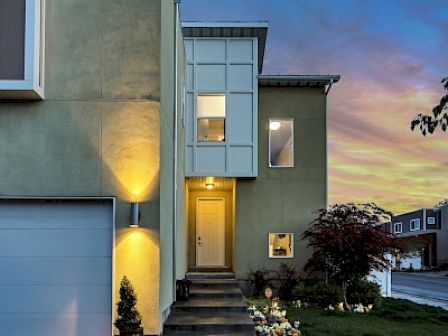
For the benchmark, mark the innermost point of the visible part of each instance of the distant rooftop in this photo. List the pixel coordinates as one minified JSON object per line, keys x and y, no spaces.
{"x":230,"y":29}
{"x":298,"y":80}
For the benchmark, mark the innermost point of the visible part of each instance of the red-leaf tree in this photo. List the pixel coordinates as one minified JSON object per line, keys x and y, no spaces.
{"x":349,"y":241}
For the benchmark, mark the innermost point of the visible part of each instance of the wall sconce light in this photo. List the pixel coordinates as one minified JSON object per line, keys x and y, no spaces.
{"x":209,"y":182}
{"x":135,"y":215}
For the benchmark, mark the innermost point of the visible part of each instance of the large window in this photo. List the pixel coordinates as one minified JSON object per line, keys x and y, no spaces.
{"x":398,"y":228}
{"x":281,"y":245}
{"x":211,"y":116}
{"x":21,"y":49}
{"x":415,"y":224}
{"x":281,"y":143}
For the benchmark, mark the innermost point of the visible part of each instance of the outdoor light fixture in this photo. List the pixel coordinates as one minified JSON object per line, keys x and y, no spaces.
{"x":135,"y":215}
{"x":274,"y":125}
{"x":209,"y":182}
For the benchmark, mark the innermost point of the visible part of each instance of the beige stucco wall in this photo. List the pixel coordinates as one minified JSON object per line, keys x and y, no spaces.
{"x":97,"y":133}
{"x":283,"y":199}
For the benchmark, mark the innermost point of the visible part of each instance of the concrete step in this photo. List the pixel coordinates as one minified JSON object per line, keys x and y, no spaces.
{"x":204,"y":306}
{"x":215,"y":284}
{"x":209,"y":275}
{"x":217,"y":323}
{"x":215,"y":293}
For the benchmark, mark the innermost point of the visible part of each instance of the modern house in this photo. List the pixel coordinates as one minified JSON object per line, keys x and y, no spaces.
{"x":425,"y":231}
{"x":132,"y":144}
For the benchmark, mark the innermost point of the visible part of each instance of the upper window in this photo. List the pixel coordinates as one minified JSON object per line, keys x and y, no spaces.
{"x":431,"y":220}
{"x":211,"y":117}
{"x":398,"y":228}
{"x":415,"y":224}
{"x":21,"y":49}
{"x":281,"y":143}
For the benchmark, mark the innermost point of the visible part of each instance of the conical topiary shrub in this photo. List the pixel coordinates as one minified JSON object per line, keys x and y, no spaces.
{"x":128,"y":320}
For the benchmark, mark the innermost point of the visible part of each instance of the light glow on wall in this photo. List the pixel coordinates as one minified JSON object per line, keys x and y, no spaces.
{"x":137,"y":249}
{"x":131,"y":152}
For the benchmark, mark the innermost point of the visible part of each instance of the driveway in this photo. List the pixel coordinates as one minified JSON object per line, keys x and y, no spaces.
{"x":425,"y":288}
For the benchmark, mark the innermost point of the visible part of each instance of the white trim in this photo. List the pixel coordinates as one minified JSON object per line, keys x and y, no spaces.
{"x":433,"y":220}
{"x":292,"y":142}
{"x":34,"y":51}
{"x":401,"y":227}
{"x":415,"y":220}
{"x":292,"y":245}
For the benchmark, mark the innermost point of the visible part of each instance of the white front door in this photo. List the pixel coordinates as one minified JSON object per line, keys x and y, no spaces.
{"x":210,"y":232}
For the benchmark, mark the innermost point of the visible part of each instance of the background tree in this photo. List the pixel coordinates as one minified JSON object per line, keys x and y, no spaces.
{"x":128,"y":319}
{"x":349,"y":241}
{"x":439,"y":117}
{"x":441,"y":203}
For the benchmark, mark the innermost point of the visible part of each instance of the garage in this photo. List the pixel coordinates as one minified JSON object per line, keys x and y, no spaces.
{"x":56,"y":267}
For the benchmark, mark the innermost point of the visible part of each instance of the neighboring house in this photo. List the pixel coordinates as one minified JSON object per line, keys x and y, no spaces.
{"x":425,"y":231}
{"x":132,"y":145}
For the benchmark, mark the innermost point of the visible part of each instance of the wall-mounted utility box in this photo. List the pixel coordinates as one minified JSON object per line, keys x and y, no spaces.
{"x":22,"y":35}
{"x":221,"y":111}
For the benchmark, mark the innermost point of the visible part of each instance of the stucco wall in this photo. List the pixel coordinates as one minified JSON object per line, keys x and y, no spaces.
{"x":283,"y":199}
{"x":97,"y":132}
{"x":167,"y":162}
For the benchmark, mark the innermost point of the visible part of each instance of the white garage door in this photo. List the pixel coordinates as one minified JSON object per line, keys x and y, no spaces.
{"x":56,"y":268}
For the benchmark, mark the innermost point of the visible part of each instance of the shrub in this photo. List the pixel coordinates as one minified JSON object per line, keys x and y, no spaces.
{"x":288,"y":278}
{"x":128,"y":317}
{"x":319,"y":294}
{"x":364,"y":291}
{"x":258,"y":280}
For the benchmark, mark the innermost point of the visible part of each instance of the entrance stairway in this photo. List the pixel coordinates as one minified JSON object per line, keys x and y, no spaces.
{"x":215,"y":307}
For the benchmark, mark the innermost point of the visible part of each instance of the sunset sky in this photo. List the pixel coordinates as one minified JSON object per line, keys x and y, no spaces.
{"x":391,"y":55}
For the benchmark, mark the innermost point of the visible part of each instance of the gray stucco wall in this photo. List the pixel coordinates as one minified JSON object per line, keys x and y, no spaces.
{"x":283,"y":199}
{"x":167,"y":162}
{"x":97,"y":132}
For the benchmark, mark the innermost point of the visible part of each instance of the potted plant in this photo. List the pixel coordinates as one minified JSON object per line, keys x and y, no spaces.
{"x":129,"y":319}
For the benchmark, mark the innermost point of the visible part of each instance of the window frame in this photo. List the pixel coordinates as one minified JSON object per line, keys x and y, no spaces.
{"x":34,"y":51}
{"x":395,"y":227}
{"x":292,"y":245}
{"x":433,"y":220}
{"x":292,"y":142}
{"x":413,"y":221}
{"x":208,"y":118}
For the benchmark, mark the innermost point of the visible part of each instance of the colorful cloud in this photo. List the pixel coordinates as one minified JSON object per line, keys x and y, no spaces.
{"x":391,"y":55}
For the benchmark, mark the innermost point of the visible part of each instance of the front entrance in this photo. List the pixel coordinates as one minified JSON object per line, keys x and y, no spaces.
{"x":210,"y":212}
{"x":210,"y":232}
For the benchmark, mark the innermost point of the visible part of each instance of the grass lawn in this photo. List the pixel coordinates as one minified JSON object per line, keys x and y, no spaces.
{"x":395,"y":317}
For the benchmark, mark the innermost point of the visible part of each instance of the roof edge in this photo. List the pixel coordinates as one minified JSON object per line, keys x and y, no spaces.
{"x":225,"y":24}
{"x":324,"y":79}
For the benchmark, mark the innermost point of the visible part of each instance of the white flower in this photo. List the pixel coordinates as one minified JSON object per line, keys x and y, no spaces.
{"x":285,"y":325}
{"x":359,"y":308}
{"x":283,"y":313}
